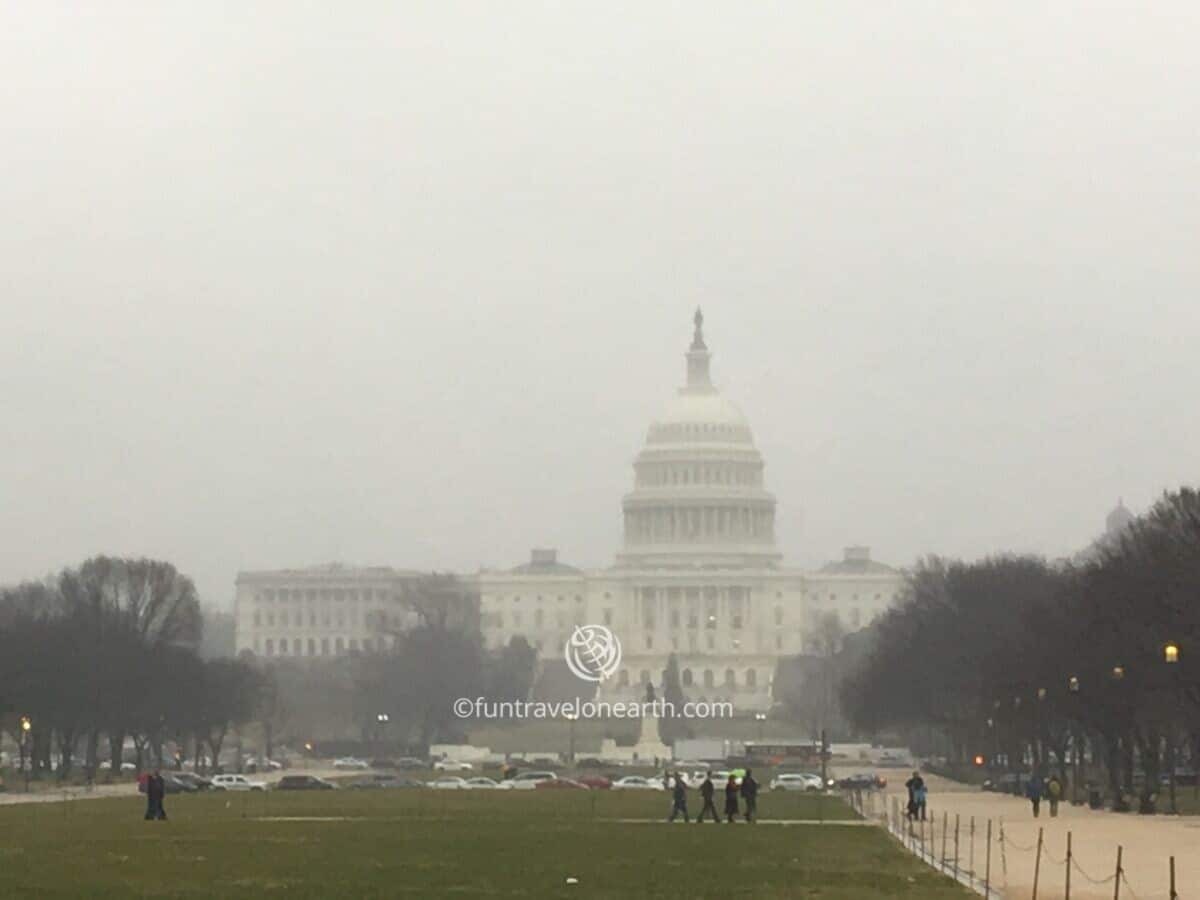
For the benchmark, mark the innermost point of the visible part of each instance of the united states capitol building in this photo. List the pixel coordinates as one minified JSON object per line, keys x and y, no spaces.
{"x":699,"y":574}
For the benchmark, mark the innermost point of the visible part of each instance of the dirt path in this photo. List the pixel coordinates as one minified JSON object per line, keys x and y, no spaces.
{"x":1147,"y":841}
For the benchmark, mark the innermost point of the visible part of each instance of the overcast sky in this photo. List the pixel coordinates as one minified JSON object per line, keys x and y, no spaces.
{"x":405,"y":283}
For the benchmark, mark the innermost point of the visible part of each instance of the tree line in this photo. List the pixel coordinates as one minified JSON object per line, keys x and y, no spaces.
{"x":106,"y":651}
{"x":1031,"y":664}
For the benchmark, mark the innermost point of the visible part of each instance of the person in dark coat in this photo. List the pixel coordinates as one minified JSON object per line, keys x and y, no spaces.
{"x":155,"y":789}
{"x":679,"y":797}
{"x":731,"y":799}
{"x":916,"y":796}
{"x":707,"y":789}
{"x":1033,"y":792}
{"x":750,"y":795}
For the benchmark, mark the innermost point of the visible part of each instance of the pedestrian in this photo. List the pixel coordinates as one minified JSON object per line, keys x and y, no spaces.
{"x":707,"y":789}
{"x":731,"y":798}
{"x":750,"y":795}
{"x":1033,"y":791}
{"x":1054,"y":792}
{"x":679,"y":799}
{"x":155,"y":788}
{"x":916,"y":796}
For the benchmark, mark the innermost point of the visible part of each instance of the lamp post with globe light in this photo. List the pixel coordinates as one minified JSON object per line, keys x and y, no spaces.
{"x":381,"y":721}
{"x":26,"y":762}
{"x":571,"y":718}
{"x":1171,"y":660}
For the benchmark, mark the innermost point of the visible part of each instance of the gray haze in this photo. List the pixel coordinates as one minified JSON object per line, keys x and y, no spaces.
{"x":404,"y":284}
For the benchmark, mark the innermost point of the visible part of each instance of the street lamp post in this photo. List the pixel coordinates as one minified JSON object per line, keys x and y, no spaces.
{"x":571,"y":718}
{"x":1171,"y":658}
{"x":26,"y":761}
{"x":760,"y":717}
{"x":1073,"y":690}
{"x":381,"y":721}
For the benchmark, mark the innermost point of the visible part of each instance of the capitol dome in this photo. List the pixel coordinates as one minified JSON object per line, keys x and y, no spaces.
{"x":698,"y":498}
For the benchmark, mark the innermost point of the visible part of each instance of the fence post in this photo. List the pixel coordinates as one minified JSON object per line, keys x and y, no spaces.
{"x":945,"y":828}
{"x":956,"y":818}
{"x":1117,"y":879}
{"x":987,"y":866}
{"x":1067,"y":895}
{"x":1174,"y":896}
{"x":1037,"y":864}
{"x":972,"y":849}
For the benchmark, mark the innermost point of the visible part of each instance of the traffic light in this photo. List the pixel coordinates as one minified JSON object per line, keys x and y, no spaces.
{"x":979,"y":760}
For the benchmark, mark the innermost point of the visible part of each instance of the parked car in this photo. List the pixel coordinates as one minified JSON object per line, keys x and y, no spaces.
{"x":1008,"y":783}
{"x":481,"y":783}
{"x":452,"y":765}
{"x":448,"y":783}
{"x":383,"y":763}
{"x":527,"y":781}
{"x":599,"y":782}
{"x":862,"y":782}
{"x":172,"y":784}
{"x":236,"y":783}
{"x":369,"y":782}
{"x":198,"y":782}
{"x":637,"y":783}
{"x":350,"y":763}
{"x":797,"y":781}
{"x":411,"y":762}
{"x":560,"y":783}
{"x":303,"y":783}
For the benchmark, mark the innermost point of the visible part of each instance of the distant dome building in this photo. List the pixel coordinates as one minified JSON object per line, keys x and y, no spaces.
{"x":1118,"y":519}
{"x":699,"y":573}
{"x":698,"y":497}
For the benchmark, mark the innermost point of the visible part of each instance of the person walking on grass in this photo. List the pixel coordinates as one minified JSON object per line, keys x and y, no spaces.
{"x":1054,"y":792}
{"x":707,"y":789}
{"x":679,"y":799}
{"x":1033,"y":792}
{"x":750,"y":795}
{"x":916,"y":796}
{"x":731,"y":799}
{"x":155,"y":789}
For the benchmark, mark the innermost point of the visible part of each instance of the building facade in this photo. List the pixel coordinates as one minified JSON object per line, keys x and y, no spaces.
{"x":699,"y":574}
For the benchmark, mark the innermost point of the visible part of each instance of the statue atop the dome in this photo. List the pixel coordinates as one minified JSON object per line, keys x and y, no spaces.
{"x":698,"y":335}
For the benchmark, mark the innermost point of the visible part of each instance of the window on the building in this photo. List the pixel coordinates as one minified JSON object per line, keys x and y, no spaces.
{"x":608,"y":616}
{"x":270,"y":647}
{"x":674,"y":618}
{"x":339,"y":647}
{"x":644,"y":676}
{"x":649,"y":642}
{"x":324,"y":646}
{"x":779,"y":615}
{"x":779,"y":642}
{"x":729,"y":678}
{"x":538,"y":618}
{"x":623,"y":678}
{"x":709,"y":641}
{"x":708,"y":678}
{"x":517,"y":619}
{"x":257,"y":619}
{"x":687,"y":678}
{"x":751,"y":678}
{"x":353,"y":644}
{"x":312,"y":647}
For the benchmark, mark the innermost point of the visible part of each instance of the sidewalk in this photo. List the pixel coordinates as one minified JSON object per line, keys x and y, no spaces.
{"x":1147,"y":841}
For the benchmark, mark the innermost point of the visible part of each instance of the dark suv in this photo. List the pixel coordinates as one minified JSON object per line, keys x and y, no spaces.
{"x":303,"y":783}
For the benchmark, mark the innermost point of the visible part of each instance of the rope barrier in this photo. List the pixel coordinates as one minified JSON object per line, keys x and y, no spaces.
{"x":1125,"y":881}
{"x":1087,"y":877}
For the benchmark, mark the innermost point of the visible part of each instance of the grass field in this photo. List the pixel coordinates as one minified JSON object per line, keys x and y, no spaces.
{"x":422,"y":843}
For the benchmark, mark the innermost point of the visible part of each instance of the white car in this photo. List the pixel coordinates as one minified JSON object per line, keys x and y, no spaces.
{"x":487,"y":784}
{"x":451,"y":765}
{"x":448,"y":783}
{"x":236,"y":783}
{"x":527,"y":781}
{"x":350,"y":763}
{"x":796,"y":782}
{"x":637,"y":783}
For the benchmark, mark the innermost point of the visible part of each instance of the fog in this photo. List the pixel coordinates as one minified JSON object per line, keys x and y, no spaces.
{"x":404,"y":284}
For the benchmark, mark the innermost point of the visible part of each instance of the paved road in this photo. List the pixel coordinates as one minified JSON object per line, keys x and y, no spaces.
{"x":1147,"y":841}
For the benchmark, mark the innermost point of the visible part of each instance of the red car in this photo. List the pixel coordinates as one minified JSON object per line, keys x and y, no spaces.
{"x":559,"y":783}
{"x":598,"y":782}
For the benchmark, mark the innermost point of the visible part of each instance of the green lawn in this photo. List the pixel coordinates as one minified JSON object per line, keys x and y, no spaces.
{"x":421,"y":843}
